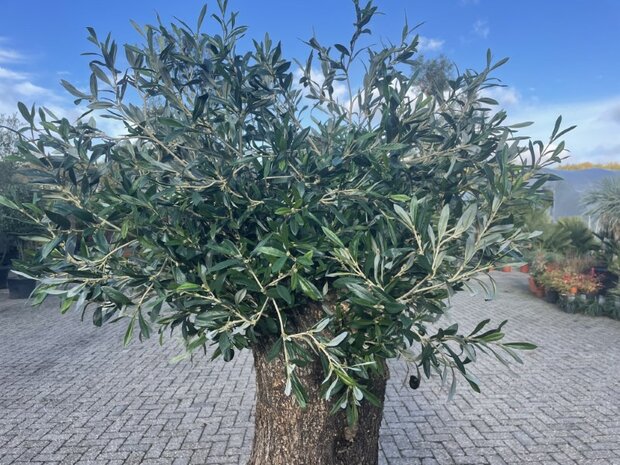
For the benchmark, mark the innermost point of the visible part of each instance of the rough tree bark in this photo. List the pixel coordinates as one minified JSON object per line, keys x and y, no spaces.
{"x":287,"y":435}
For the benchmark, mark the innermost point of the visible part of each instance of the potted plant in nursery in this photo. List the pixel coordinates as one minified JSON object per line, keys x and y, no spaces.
{"x":588,"y":286}
{"x":507,"y":267}
{"x":536,"y":271}
{"x":567,"y":288}
{"x":7,"y":248}
{"x":613,"y":303}
{"x":14,"y":246}
{"x":553,"y":280}
{"x":8,"y":140}
{"x":8,"y":224}
{"x":19,"y":285}
{"x":527,"y":259}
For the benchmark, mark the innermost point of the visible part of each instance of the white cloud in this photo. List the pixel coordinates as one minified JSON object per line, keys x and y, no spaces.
{"x":481,"y":28}
{"x":27,"y":88}
{"x":341,"y":92}
{"x":10,"y":56}
{"x":613,"y":114}
{"x":111,"y":127}
{"x":428,"y":44}
{"x":15,"y":90}
{"x":18,"y":86}
{"x":506,"y":96}
{"x":6,"y":73}
{"x":596,"y":137}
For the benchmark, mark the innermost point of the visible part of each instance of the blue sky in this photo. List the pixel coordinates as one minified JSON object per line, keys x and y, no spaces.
{"x":564,"y":56}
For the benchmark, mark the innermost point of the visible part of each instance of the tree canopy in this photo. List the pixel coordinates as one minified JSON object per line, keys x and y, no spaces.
{"x":8,"y":134}
{"x":434,"y":74}
{"x":11,"y":185}
{"x":247,"y":203}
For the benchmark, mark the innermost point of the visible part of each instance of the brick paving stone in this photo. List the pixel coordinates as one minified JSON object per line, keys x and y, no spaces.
{"x":71,"y":394}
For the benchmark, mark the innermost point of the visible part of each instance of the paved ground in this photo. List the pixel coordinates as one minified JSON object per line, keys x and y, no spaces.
{"x":69,"y":393}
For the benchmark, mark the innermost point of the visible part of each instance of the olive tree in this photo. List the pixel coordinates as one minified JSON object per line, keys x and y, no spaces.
{"x":433,"y":75}
{"x":248,"y":204}
{"x":9,"y":124}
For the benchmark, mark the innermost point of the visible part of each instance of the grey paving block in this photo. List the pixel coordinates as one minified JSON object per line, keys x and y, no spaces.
{"x":71,"y":394}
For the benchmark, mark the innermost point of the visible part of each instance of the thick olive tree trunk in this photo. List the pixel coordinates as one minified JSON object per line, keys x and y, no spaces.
{"x":287,"y":435}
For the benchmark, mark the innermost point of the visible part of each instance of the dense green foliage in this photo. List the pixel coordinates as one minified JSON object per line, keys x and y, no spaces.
{"x":604,"y":205}
{"x":8,"y":140}
{"x":13,"y":186}
{"x":9,"y":124}
{"x":580,"y":239}
{"x":568,"y":236}
{"x":240,"y":196}
{"x":8,"y":221}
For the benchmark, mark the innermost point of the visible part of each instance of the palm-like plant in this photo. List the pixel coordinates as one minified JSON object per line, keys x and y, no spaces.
{"x":580,"y":238}
{"x":603,"y":203}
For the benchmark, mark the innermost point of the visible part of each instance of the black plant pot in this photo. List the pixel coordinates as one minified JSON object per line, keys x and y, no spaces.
{"x":20,"y":288}
{"x":551,"y":296}
{"x":608,"y":279}
{"x":4,"y":274}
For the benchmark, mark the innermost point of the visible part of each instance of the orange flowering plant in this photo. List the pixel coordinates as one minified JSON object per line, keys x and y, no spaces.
{"x":569,"y":282}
